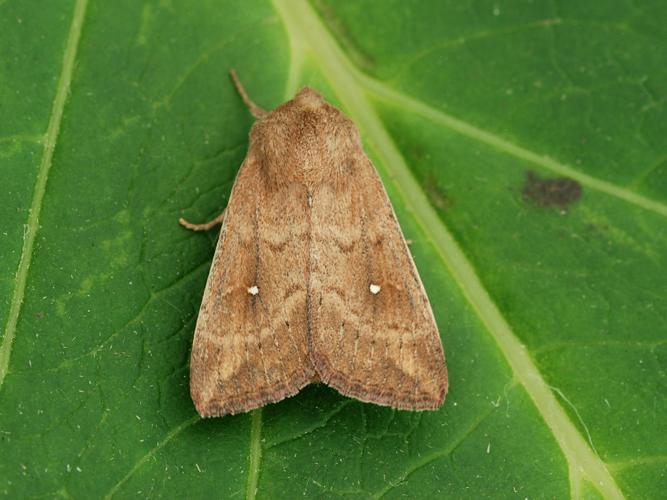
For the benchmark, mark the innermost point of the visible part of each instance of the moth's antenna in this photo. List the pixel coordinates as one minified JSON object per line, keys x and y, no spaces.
{"x":255,"y":110}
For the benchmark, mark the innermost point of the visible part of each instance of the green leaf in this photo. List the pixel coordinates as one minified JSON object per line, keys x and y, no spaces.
{"x":523,"y":146}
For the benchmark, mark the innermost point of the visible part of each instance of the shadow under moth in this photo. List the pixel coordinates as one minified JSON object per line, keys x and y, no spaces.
{"x":312,"y":280}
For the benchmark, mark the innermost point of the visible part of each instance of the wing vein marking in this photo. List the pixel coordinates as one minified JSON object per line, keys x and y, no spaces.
{"x":372,"y":279}
{"x":263,"y":309}
{"x":256,"y":282}
{"x":369,"y":273}
{"x":225,"y":265}
{"x":408,"y":290}
{"x":356,"y":339}
{"x":275,"y":344}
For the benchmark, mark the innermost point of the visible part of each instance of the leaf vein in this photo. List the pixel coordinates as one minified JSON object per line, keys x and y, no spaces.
{"x":255,"y":455}
{"x":466,"y":129}
{"x":310,"y":429}
{"x":32,"y":226}
{"x":151,"y":453}
{"x":432,"y":457}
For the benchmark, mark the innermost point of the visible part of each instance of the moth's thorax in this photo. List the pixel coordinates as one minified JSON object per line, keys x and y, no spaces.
{"x":306,"y":140}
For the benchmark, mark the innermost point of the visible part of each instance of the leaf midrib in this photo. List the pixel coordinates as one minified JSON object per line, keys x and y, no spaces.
{"x":306,"y":31}
{"x":32,"y":226}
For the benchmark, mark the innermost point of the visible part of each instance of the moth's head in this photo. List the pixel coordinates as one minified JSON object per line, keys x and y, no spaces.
{"x":310,"y":98}
{"x":306,"y":140}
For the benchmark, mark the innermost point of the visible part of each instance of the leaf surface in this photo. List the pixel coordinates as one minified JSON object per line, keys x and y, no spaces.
{"x":523,"y":147}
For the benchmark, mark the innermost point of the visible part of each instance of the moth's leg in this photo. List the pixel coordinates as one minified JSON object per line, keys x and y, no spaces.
{"x":255,"y":110}
{"x":202,"y":227}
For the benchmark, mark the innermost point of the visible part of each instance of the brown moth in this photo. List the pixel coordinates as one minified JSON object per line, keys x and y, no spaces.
{"x":312,"y":279}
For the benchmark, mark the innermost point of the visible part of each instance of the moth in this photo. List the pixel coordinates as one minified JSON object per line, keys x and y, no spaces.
{"x":312,"y":279}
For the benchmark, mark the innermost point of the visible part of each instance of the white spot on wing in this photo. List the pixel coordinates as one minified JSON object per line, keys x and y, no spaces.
{"x":375,"y":289}
{"x":253,"y":290}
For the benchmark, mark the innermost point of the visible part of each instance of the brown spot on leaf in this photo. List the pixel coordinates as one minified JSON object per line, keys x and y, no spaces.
{"x":437,"y":197}
{"x":556,"y":192}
